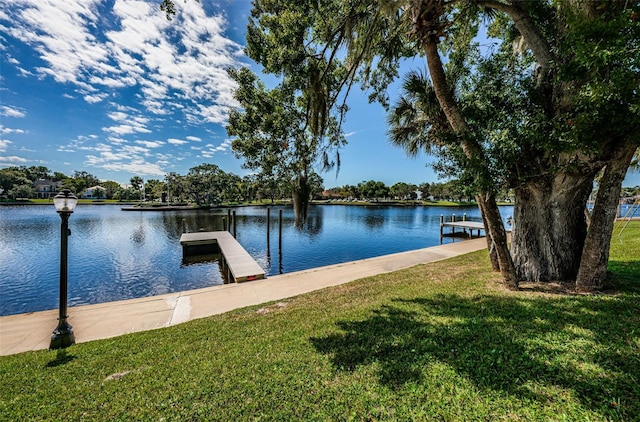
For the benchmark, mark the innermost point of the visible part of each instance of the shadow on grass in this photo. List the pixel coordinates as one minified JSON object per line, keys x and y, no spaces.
{"x":584,"y":345}
{"x":624,"y":275}
{"x":61,"y":358}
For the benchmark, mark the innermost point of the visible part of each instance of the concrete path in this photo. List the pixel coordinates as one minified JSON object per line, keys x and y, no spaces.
{"x":32,"y":331}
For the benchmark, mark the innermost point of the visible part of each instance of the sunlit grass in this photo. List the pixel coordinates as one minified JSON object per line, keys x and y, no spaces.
{"x":442,"y":341}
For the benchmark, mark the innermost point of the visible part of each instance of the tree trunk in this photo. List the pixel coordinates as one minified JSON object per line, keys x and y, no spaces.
{"x":491,"y":246}
{"x":493,"y":220}
{"x":595,"y":254}
{"x":549,"y":227}
{"x":470,"y":147}
{"x":300,"y":194}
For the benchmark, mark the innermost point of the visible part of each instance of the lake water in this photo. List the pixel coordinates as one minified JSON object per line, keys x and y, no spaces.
{"x":115,"y":254}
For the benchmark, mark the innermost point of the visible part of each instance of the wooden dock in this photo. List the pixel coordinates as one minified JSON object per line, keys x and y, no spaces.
{"x":238,"y":261}
{"x":464,"y":225}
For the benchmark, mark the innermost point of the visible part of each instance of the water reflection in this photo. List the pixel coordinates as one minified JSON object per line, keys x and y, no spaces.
{"x":116,"y":254}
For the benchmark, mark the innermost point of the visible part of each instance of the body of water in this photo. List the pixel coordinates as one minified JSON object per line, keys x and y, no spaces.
{"x":115,"y":254}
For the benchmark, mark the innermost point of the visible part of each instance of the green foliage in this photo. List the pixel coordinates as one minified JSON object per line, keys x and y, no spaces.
{"x":12,"y":176}
{"x":110,"y":187}
{"x":373,"y":189}
{"x":603,"y":63}
{"x":21,"y":191}
{"x":403,"y":190}
{"x":205,"y":184}
{"x":436,"y":341}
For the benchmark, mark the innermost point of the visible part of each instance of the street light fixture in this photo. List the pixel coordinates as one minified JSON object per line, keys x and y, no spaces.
{"x":65,"y":202}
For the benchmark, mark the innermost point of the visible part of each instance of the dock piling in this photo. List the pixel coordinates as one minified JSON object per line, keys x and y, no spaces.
{"x":268,"y":231}
{"x":235,"y":225}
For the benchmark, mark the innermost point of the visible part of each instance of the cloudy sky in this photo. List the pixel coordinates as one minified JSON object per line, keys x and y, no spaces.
{"x":112,"y":88}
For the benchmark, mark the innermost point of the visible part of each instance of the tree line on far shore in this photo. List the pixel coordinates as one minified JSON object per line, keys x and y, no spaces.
{"x":208,"y":184}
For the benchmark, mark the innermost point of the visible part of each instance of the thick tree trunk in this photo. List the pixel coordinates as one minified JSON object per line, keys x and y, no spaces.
{"x":595,"y":254}
{"x":550,"y":228}
{"x":300,"y":194}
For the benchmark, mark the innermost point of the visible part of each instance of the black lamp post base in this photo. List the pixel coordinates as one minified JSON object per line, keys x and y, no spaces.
{"x":62,"y":337}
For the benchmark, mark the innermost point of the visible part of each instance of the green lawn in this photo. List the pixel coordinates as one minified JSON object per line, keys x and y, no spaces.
{"x":435,"y":342}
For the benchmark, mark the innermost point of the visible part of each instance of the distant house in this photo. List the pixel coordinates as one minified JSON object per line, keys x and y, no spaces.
{"x":46,"y":189}
{"x":326,"y":194}
{"x":93,"y":190}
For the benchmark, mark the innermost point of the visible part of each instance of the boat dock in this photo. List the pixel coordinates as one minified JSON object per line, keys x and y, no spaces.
{"x":464,"y":225}
{"x":467,"y":227}
{"x":240,"y":265}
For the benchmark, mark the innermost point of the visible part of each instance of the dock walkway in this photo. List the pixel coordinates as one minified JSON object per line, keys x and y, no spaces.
{"x":464,"y":225}
{"x":241,"y":265}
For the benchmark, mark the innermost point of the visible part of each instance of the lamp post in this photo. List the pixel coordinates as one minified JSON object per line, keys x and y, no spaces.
{"x":65,"y":202}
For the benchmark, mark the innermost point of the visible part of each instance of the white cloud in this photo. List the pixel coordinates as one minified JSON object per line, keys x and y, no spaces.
{"x":95,"y":98}
{"x":193,"y":138}
{"x":6,"y":130}
{"x":116,"y":141}
{"x":4,"y":143}
{"x":211,"y":149}
{"x":125,"y":129}
{"x":12,"y":159}
{"x":137,"y":166}
{"x":173,"y":141}
{"x":151,"y":144}
{"x":12,"y":112}
{"x":349,"y":134}
{"x":129,"y":123}
{"x":60,"y":32}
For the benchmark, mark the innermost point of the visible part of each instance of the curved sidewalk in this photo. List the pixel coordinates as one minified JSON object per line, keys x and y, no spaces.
{"x":32,"y":331}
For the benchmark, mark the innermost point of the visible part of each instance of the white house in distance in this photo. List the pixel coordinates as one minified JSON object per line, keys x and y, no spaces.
{"x":47,"y":188}
{"x":91,"y":192}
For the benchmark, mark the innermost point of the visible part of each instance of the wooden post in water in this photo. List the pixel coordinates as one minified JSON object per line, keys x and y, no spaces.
{"x":224,"y":223}
{"x":441,"y":227}
{"x":268,"y":229}
{"x":464,"y":218}
{"x":228,"y":228}
{"x":235,"y":224}
{"x":280,"y":239}
{"x":453,"y":229}
{"x":280,"y":228}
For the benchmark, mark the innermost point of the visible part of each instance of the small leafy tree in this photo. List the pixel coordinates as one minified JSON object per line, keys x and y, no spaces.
{"x":274,"y":135}
{"x":111,"y":188}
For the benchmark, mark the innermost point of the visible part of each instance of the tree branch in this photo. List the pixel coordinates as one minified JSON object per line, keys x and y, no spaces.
{"x":527,"y":28}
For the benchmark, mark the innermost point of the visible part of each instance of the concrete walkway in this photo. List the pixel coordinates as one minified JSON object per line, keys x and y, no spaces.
{"x":32,"y":331}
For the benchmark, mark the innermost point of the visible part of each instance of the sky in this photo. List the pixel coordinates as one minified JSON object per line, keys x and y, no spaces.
{"x":112,"y":88}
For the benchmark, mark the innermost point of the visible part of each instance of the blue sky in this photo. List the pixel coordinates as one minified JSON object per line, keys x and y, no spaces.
{"x":112,"y":88}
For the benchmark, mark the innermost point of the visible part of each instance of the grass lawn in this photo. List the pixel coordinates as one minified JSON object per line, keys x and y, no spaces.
{"x":441,"y":341}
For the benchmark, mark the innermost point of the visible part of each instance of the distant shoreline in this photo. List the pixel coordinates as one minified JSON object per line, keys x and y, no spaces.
{"x":136,"y":206}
